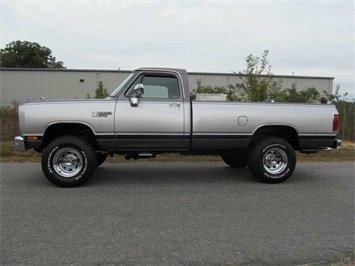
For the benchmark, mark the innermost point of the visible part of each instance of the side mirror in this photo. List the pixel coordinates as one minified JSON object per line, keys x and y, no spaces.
{"x":138,"y":91}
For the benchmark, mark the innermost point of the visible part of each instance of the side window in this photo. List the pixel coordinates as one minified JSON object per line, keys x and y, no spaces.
{"x":158,"y":87}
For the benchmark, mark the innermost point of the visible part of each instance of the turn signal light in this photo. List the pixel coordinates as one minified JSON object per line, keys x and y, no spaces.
{"x":32,"y":138}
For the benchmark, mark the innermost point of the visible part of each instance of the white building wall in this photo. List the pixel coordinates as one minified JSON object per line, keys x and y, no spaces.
{"x":27,"y":85}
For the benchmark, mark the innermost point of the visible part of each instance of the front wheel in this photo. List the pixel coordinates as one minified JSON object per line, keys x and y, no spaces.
{"x":272,"y":160}
{"x":69,"y":161}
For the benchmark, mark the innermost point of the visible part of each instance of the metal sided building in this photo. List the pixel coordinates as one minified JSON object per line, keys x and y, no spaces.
{"x":25,"y":85}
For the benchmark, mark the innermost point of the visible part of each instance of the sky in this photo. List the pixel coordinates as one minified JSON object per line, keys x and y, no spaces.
{"x":304,"y":38}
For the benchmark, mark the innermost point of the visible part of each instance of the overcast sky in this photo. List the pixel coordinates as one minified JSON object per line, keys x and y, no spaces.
{"x":312,"y":38}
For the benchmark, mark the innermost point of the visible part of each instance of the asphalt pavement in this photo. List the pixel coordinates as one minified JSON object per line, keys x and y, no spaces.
{"x":201,"y":213}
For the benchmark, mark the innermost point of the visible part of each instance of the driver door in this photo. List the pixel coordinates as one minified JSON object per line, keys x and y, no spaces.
{"x":157,"y":122}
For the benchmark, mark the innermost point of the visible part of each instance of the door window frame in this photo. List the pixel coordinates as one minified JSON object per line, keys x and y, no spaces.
{"x":140,"y":75}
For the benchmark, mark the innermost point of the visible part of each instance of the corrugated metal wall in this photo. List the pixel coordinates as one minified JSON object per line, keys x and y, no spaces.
{"x":27,"y":85}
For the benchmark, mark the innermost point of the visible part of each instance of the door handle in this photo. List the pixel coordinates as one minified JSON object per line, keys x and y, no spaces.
{"x":175,"y":105}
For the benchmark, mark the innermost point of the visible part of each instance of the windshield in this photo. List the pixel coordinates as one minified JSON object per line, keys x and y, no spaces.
{"x":119,"y":88}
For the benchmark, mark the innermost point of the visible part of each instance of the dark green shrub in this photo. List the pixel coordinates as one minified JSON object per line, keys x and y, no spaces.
{"x":347,"y":120}
{"x":9,"y":125}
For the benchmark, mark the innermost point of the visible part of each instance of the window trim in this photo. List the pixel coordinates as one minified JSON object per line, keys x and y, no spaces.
{"x":158,"y":74}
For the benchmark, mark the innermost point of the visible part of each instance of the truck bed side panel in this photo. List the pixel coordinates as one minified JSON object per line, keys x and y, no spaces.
{"x":232,"y":125}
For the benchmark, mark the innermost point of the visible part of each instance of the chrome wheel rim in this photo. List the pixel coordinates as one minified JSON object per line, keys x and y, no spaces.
{"x":67,"y":162}
{"x":275,"y":161}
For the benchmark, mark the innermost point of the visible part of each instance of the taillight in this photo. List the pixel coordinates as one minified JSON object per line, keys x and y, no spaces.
{"x":336,"y":123}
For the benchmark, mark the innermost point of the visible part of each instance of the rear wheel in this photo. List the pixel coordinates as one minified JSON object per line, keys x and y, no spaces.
{"x":272,"y":160}
{"x":69,"y":161}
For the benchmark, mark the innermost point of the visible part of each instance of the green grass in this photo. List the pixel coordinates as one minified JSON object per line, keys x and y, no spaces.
{"x":346,"y":262}
{"x":346,"y":154}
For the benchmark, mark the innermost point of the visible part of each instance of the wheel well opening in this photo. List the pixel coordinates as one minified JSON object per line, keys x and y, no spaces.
{"x":285,"y":132}
{"x":62,"y":129}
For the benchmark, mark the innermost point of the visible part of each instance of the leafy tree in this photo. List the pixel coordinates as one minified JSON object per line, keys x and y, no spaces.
{"x":257,"y":84}
{"x":214,"y":90}
{"x":24,"y":54}
{"x":292,"y":95}
{"x":208,"y":89}
{"x":336,"y":97}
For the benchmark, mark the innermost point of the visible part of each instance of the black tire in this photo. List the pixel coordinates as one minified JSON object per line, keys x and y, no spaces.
{"x":101,"y":157}
{"x":236,"y":160}
{"x":272,"y":160}
{"x":69,"y":161}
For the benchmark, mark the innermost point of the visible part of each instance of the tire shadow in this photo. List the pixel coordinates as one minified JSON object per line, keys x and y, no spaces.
{"x":167,"y":173}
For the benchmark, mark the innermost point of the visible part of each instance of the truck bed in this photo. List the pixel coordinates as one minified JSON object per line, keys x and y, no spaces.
{"x":232,"y":124}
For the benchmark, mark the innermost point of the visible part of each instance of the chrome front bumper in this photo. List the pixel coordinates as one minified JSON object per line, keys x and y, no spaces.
{"x":20,"y":143}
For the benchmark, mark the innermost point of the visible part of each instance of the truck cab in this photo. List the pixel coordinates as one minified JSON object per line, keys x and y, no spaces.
{"x":157,"y":117}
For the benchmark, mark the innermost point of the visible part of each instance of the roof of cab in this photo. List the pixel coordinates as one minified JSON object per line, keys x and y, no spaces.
{"x":179,"y":70}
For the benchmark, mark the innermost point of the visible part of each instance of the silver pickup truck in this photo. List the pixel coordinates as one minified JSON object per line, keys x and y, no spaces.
{"x":151,"y":113}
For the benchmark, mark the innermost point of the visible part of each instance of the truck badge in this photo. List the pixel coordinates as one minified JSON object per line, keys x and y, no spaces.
{"x":101,"y":114}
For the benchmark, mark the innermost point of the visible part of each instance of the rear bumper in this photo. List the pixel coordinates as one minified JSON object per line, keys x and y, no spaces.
{"x":20,"y":143}
{"x":337,"y":144}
